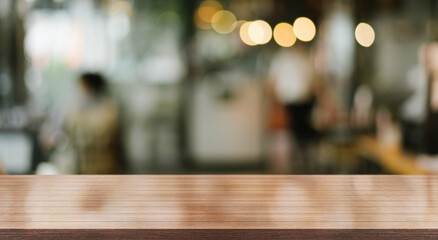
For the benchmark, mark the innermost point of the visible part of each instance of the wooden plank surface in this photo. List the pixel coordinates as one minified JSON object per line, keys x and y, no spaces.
{"x":218,"y":206}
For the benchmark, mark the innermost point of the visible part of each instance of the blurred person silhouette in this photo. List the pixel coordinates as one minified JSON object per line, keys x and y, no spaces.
{"x":414,"y":109}
{"x":2,"y":170}
{"x":292,"y":85}
{"x":92,"y":128}
{"x":431,"y":122}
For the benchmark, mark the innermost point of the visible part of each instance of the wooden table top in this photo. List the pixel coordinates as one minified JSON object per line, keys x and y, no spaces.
{"x":337,"y":204}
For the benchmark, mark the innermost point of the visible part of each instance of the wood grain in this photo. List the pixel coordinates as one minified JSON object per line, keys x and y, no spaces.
{"x":218,"y":207}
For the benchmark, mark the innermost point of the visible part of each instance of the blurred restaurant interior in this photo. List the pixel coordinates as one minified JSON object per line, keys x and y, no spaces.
{"x":229,"y":86}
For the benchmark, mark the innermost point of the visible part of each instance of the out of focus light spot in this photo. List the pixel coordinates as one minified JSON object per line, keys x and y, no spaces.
{"x":75,"y":52}
{"x":68,"y":48}
{"x":118,"y":7}
{"x":224,"y":21}
{"x":205,"y":12}
{"x":244,"y":34}
{"x":364,"y":34}
{"x":201,"y":24}
{"x":260,"y":32}
{"x":208,"y":9}
{"x":284,"y":35}
{"x":304,"y":29}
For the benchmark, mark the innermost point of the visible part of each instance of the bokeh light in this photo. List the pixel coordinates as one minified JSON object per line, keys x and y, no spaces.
{"x":284,"y":35}
{"x":205,"y":12}
{"x":304,"y":29}
{"x":244,"y":34}
{"x":223,"y":22}
{"x":364,"y":34}
{"x":118,"y":7}
{"x":260,"y":32}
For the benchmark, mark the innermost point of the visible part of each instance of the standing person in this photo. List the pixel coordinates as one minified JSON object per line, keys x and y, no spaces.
{"x":92,"y":128}
{"x":2,"y":171}
{"x":414,"y":109}
{"x":431,"y":122}
{"x":291,"y":76}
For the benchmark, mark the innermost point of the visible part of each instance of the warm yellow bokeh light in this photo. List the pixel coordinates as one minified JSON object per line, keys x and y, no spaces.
{"x":304,"y":29}
{"x":364,"y":34}
{"x":205,"y":12}
{"x":201,"y":24}
{"x":223,"y":22}
{"x":121,"y":7}
{"x":207,"y":9}
{"x":260,"y":32}
{"x":244,"y":34}
{"x":284,"y":35}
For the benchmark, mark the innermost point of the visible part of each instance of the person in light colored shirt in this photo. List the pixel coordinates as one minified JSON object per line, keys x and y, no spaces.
{"x":291,"y":78}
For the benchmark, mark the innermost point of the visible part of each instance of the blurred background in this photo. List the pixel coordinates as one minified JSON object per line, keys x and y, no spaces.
{"x":232,"y":86}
